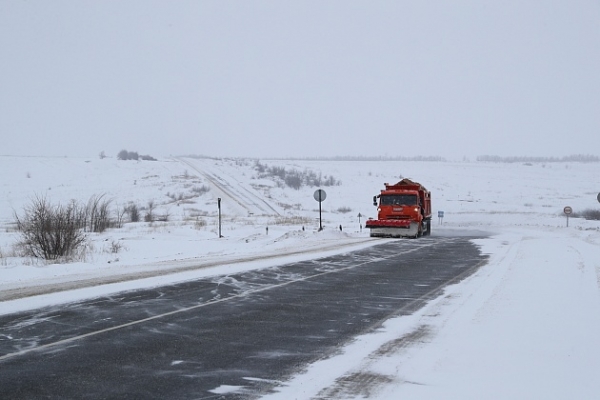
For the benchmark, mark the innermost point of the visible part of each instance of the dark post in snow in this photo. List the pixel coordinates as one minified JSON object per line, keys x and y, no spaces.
{"x":219,"y":205}
{"x":319,"y":196}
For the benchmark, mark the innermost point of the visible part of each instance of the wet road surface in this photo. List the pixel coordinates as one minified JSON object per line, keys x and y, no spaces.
{"x":249,"y":330}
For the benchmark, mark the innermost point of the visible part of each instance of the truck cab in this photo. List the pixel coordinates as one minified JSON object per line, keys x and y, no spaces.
{"x":403,"y":210}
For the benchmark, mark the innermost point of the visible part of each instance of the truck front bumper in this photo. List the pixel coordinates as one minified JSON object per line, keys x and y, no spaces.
{"x":393,"y":228}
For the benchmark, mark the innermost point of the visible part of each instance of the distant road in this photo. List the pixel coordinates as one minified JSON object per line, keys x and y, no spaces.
{"x":239,"y":193}
{"x":247,"y":332}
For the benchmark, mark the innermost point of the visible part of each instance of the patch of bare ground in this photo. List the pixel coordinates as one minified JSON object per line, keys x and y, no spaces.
{"x":364,"y":383}
{"x":354,"y":385}
{"x":417,"y":336}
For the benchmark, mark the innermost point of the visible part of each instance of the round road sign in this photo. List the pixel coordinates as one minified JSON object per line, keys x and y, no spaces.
{"x":568,"y":210}
{"x":320,"y":195}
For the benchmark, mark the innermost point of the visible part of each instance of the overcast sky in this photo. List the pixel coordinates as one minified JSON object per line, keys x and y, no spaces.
{"x":300,"y":78}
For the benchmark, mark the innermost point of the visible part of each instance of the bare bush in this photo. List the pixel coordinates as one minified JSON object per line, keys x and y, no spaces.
{"x":121,"y":211}
{"x":200,"y":223}
{"x":294,"y":181}
{"x":344,"y":210}
{"x":294,"y":178}
{"x":163,"y":217}
{"x":97,"y":214}
{"x":115,"y":247}
{"x":134,"y":212}
{"x":200,"y":190}
{"x":50,"y":231}
{"x":589,"y":214}
{"x":150,"y":217}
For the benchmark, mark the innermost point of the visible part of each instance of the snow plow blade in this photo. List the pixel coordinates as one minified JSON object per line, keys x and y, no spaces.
{"x":393,"y":228}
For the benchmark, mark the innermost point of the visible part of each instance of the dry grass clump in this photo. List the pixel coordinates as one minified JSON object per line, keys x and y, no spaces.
{"x":296,"y":220}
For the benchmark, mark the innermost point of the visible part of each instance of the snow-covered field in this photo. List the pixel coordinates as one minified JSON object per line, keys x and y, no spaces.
{"x":526,"y":325}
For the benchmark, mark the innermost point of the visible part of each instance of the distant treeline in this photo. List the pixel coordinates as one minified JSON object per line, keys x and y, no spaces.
{"x":198,"y":156}
{"x":133,"y":155}
{"x":364,"y":158}
{"x":584,"y":158}
{"x":341,"y":158}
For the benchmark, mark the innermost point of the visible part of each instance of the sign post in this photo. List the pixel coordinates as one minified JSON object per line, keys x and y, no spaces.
{"x":219,"y":205}
{"x":319,"y":196}
{"x":568,"y":210}
{"x":441,"y":217}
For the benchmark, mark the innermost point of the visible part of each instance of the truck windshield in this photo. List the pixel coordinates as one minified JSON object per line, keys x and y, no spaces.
{"x":398,"y":200}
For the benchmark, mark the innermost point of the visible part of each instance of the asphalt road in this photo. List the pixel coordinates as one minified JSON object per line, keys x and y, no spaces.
{"x":250,"y":330}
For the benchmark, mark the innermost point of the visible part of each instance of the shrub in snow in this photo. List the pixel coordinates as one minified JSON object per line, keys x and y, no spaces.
{"x":50,"y":231}
{"x":294,"y":178}
{"x":200,"y":223}
{"x":134,"y":213}
{"x":149,"y":217}
{"x":589,"y":214}
{"x":96,"y":214}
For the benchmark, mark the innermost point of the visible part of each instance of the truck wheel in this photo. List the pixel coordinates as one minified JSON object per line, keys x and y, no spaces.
{"x":427,"y":228}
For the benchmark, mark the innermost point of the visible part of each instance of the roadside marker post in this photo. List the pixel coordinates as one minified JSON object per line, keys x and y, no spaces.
{"x":568,"y":211}
{"x":219,"y":205}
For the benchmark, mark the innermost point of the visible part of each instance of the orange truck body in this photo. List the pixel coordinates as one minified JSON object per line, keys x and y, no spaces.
{"x":403,"y":210}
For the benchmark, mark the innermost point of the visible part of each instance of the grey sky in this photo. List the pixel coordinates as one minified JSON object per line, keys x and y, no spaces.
{"x":302,"y":78}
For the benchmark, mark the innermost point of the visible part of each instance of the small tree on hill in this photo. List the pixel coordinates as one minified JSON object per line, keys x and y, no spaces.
{"x":123,"y":155}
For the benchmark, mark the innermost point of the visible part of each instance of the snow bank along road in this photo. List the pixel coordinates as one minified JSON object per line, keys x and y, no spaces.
{"x":18,"y":290}
{"x":234,"y":336}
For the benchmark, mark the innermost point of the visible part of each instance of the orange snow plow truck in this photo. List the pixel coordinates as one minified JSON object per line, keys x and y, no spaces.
{"x":404,"y":210}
